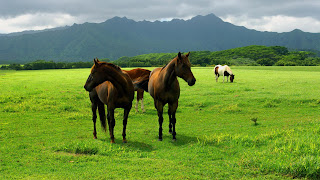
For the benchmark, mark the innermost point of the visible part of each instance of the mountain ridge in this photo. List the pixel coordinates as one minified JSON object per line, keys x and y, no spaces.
{"x":120,"y":36}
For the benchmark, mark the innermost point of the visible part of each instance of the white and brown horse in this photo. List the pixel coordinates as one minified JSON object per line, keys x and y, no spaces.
{"x":223,"y":71}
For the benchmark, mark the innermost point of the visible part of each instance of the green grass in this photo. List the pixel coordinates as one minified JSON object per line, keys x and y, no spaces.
{"x":46,"y":128}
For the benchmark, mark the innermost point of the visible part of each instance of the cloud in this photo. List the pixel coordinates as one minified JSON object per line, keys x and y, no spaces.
{"x":268,"y":15}
{"x":277,"y":23}
{"x":36,"y":21}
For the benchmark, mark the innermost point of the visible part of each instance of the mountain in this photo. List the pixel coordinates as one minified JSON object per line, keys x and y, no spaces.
{"x":118,"y":37}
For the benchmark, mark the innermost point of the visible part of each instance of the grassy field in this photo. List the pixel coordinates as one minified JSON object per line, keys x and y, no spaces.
{"x":46,"y":128}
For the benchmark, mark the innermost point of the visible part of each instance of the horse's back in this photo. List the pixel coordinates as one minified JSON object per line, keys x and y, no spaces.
{"x":136,"y":73}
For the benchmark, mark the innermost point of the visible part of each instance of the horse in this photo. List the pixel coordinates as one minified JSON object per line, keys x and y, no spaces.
{"x":223,"y":71}
{"x":164,"y":87}
{"x":136,"y":74}
{"x":108,"y":84}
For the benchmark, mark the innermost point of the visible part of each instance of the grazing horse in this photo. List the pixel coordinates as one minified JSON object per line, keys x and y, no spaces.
{"x":136,"y":74}
{"x":223,"y":71}
{"x":109,"y":85}
{"x":164,"y":87}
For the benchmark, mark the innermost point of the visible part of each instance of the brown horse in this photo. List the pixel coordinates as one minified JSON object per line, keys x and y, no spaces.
{"x":164,"y":87}
{"x":109,"y":85}
{"x":136,"y":74}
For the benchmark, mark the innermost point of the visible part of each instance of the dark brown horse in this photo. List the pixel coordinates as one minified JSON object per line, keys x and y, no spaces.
{"x":109,"y":85}
{"x":164,"y":87}
{"x":135,"y":75}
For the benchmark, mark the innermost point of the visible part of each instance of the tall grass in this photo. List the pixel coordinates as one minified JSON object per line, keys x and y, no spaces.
{"x":46,"y":128}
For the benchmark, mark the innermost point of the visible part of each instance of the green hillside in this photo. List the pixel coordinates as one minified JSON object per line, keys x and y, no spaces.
{"x":118,"y":37}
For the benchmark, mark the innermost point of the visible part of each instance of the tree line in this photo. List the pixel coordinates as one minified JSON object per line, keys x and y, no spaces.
{"x":244,"y":56}
{"x":42,"y":64}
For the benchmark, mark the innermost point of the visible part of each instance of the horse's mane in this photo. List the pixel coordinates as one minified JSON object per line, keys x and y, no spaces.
{"x":111,"y":65}
{"x":167,"y":64}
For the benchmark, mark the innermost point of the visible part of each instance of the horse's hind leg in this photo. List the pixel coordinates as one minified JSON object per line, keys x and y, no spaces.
{"x":140,"y":97}
{"x":172,"y":119}
{"x":111,"y":123}
{"x":142,"y":106}
{"x":125,"y":120}
{"x":137,"y":102}
{"x":159,"y":107}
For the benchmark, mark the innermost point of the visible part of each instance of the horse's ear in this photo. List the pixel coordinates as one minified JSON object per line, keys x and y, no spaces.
{"x":188,"y":54}
{"x":96,"y":62}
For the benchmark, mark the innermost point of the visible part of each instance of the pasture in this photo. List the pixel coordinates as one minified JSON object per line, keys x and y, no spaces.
{"x":46,"y":128}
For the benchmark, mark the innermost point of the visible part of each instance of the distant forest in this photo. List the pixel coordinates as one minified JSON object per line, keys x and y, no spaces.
{"x":244,"y":56}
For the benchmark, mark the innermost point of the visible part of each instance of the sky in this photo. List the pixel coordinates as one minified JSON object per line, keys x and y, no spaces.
{"x":261,"y":15}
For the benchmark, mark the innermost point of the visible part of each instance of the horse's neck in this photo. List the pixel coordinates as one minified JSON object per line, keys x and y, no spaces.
{"x":118,"y":80}
{"x":169,"y":72}
{"x":228,"y":70}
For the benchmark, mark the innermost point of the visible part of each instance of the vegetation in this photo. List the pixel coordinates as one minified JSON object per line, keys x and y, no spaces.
{"x":46,"y":128}
{"x":42,"y":64}
{"x":248,"y":56}
{"x":245,"y":56}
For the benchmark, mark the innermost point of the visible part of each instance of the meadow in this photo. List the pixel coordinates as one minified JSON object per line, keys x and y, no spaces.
{"x":46,"y":128}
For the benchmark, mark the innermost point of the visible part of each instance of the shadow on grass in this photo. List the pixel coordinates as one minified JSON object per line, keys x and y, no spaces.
{"x":181,"y":139}
{"x":138,"y":146}
{"x":131,"y":144}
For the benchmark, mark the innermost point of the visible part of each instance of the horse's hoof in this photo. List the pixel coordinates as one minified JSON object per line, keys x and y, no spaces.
{"x":159,"y":139}
{"x":174,"y":140}
{"x":95,"y":137}
{"x":170,"y":132}
{"x":112,"y":142}
{"x":124,"y":141}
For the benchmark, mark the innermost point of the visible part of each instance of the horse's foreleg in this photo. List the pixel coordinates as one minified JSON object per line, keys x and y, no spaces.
{"x":111,"y":122}
{"x":172,"y":117}
{"x":217,"y":78}
{"x":94,"y":119}
{"x":159,"y":107}
{"x":223,"y":78}
{"x":125,"y":120}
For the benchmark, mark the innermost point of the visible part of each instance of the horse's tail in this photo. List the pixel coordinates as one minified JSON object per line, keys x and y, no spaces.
{"x":102,"y":115}
{"x":96,"y":103}
{"x":141,"y":83}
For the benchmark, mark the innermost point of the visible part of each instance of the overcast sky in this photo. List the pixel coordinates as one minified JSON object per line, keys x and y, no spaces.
{"x":262,"y":15}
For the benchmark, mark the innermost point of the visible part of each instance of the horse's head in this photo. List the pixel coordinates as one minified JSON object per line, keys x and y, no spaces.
{"x":97,"y":75}
{"x":231,"y":77}
{"x":183,"y":69}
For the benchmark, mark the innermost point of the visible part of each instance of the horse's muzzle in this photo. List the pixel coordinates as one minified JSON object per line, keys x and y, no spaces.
{"x":192,"y":82}
{"x":87,"y":88}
